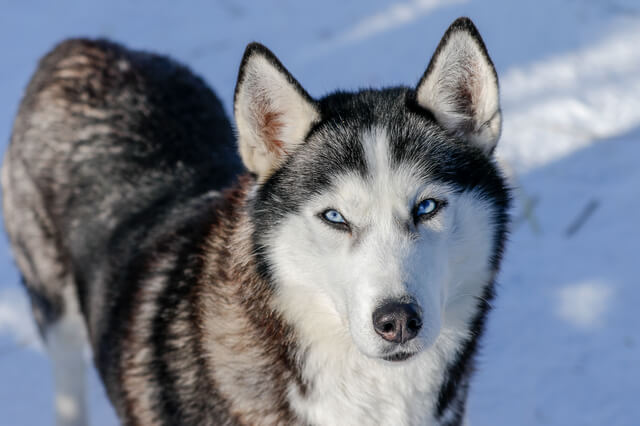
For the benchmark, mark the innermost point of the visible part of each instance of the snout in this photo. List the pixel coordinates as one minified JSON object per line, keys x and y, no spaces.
{"x":397,"y":322}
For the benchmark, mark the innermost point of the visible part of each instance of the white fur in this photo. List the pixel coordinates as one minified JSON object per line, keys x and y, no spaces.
{"x":330,"y":282}
{"x":66,"y":343}
{"x":461,"y":66}
{"x":265,"y":89}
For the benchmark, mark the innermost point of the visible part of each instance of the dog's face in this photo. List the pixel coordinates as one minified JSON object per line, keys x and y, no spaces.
{"x":378,"y":214}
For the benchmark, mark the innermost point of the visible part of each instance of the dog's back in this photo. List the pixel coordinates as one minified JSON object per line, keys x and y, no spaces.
{"x":109,"y":147}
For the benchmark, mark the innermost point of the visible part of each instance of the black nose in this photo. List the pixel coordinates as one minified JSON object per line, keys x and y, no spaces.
{"x":397,"y":322}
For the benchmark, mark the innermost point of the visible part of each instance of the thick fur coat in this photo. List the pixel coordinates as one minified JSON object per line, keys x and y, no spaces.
{"x":338,"y":271}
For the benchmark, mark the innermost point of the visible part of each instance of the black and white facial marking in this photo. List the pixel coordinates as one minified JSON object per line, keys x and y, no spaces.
{"x":377,"y":197}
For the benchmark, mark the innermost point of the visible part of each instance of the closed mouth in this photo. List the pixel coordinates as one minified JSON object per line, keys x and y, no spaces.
{"x":400,"y":356}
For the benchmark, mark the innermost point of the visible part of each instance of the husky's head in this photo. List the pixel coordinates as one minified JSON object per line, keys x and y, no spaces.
{"x":379,"y":216}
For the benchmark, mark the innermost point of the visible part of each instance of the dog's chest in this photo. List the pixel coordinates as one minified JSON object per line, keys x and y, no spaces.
{"x":359,"y":391}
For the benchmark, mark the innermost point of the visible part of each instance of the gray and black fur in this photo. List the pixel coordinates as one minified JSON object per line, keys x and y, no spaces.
{"x":123,"y":183}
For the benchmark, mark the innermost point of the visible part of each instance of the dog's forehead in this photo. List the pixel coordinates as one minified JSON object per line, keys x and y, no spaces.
{"x":376,"y":132}
{"x":385,"y":181}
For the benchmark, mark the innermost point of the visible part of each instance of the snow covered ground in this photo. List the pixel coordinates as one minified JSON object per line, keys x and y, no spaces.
{"x":563,"y":345}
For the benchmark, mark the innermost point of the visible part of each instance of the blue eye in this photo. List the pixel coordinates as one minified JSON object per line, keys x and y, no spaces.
{"x":334,"y":216}
{"x":426,"y":207}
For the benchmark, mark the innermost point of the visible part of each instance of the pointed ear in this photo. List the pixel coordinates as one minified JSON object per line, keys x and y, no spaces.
{"x":460,"y":87}
{"x":273,"y":112}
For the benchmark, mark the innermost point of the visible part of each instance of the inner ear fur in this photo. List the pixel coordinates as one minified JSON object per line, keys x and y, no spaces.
{"x":273,"y":112}
{"x":460,"y":87}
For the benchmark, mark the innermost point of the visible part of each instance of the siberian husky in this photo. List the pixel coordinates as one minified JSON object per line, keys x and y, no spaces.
{"x":337,"y":272}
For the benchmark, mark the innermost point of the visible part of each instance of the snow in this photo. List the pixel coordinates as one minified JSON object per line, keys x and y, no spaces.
{"x":562,"y":345}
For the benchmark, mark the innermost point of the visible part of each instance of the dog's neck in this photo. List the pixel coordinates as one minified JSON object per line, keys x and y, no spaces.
{"x":249,"y":349}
